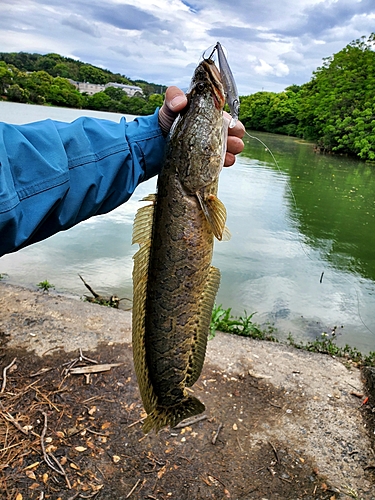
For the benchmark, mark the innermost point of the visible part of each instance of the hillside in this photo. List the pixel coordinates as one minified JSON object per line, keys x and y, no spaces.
{"x":44,"y":79}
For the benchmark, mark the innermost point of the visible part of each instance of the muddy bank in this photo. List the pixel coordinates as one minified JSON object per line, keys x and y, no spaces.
{"x":289,"y":424}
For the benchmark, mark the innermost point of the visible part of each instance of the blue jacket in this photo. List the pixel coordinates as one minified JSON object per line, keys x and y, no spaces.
{"x":54,"y":174}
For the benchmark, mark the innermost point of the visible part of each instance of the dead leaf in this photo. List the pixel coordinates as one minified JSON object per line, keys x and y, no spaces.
{"x":80,"y":448}
{"x":92,"y":410}
{"x":96,"y":487}
{"x":34,"y":486}
{"x":74,"y":466}
{"x":161,"y":472}
{"x":116,"y":459}
{"x":19,"y":496}
{"x":106,"y":425}
{"x":45,"y":478}
{"x":235,"y":428}
{"x":30,"y":474}
{"x":51,"y":448}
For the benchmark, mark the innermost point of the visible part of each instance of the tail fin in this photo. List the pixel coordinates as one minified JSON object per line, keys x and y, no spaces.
{"x":162,"y":416}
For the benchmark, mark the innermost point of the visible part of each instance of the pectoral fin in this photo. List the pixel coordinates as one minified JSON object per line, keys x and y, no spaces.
{"x":216,"y":215}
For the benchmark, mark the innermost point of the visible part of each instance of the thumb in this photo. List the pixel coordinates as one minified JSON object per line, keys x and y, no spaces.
{"x":175,"y":101}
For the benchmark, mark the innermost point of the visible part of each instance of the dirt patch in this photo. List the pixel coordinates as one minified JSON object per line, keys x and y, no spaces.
{"x":93,"y":430}
{"x":280,"y":423}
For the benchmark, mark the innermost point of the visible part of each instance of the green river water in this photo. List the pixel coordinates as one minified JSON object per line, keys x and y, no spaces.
{"x":302,"y":248}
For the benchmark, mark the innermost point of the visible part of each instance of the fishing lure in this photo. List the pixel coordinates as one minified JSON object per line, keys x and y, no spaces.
{"x":229,"y":84}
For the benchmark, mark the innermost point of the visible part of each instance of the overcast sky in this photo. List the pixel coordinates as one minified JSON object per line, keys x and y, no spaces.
{"x":270,"y":44}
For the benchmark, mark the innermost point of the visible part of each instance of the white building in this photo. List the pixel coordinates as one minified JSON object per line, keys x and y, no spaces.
{"x":129,"y":89}
{"x":93,"y":88}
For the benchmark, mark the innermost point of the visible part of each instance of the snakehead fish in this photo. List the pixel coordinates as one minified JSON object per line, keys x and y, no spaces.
{"x":174,"y":284}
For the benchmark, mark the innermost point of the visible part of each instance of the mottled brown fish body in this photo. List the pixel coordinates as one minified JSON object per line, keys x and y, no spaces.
{"x":174,"y":283}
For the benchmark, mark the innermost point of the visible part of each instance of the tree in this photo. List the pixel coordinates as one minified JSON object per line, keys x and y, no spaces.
{"x":337,"y":105}
{"x":63,"y":93}
{"x":16,"y":93}
{"x":6,"y":77}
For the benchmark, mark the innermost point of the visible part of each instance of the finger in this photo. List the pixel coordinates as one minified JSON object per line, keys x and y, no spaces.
{"x":229,"y":160}
{"x":238,"y":130}
{"x":175,"y":101}
{"x":235,"y":145}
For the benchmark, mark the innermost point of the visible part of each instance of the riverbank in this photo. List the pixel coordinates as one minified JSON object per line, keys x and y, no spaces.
{"x":281,"y":423}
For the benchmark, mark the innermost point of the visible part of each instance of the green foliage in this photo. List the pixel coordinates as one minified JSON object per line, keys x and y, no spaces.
{"x":337,"y":106}
{"x":271,"y":112}
{"x":336,"y":109}
{"x":327,"y":345}
{"x":223,"y":321}
{"x":45,"y":286}
{"x":65,"y":67}
{"x":38,"y":79}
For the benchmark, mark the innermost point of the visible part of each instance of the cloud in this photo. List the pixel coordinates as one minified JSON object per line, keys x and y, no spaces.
{"x":126,"y":17}
{"x":80,"y":24}
{"x":263,"y":68}
{"x":270,"y":45}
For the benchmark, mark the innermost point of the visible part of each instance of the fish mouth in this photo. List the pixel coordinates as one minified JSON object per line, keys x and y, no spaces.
{"x":207,"y":74}
{"x":216,"y":84}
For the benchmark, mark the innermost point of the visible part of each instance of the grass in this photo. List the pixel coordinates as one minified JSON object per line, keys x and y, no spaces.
{"x":45,"y":286}
{"x":327,"y":345}
{"x":224,"y":321}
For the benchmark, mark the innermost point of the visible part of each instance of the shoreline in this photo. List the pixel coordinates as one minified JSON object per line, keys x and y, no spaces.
{"x":317,"y":389}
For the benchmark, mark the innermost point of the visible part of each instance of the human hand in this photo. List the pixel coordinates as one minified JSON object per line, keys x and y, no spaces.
{"x":235,"y":143}
{"x":175,"y":101}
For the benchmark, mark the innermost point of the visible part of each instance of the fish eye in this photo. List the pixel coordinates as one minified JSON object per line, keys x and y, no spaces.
{"x":200,"y":86}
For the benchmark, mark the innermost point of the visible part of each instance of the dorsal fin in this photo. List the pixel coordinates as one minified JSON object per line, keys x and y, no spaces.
{"x":142,"y":231}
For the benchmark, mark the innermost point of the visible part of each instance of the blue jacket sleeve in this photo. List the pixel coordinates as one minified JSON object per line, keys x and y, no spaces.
{"x":54,"y":174}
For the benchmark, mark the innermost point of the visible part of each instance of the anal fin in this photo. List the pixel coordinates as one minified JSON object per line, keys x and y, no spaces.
{"x":207,"y":302}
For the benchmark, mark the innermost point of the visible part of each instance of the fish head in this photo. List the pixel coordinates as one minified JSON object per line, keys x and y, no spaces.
{"x":200,"y":133}
{"x":206,"y":84}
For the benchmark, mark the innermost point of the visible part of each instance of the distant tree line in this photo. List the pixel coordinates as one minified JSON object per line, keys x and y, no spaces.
{"x":336,"y":109}
{"x":44,"y":79}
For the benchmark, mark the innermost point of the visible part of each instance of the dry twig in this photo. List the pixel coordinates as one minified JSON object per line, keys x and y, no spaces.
{"x":190,"y":421}
{"x":5,"y":369}
{"x":12,"y":420}
{"x":80,"y":370}
{"x":275,"y":452}
{"x":48,"y":456}
{"x":140,"y":421}
{"x":214,"y":439}
{"x":134,"y":487}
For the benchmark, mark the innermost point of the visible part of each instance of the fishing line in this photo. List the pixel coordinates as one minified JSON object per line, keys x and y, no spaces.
{"x":298,"y":232}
